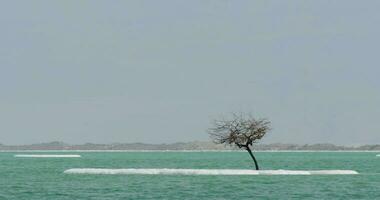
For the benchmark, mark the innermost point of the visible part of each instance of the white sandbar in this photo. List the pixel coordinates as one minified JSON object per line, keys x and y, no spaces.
{"x":47,"y":156}
{"x":165,"y":171}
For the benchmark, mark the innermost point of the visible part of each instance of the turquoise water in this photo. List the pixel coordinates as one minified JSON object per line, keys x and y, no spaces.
{"x":43,"y":178}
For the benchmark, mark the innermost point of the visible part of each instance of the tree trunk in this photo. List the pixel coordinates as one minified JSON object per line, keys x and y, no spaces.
{"x":253,"y":158}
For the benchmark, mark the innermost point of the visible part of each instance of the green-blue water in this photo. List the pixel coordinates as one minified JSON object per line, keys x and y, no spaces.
{"x":43,"y":178}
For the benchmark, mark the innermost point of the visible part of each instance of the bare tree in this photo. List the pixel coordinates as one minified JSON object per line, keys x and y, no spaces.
{"x":242,"y":130}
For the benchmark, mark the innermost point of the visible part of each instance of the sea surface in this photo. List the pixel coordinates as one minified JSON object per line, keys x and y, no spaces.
{"x":43,"y":178}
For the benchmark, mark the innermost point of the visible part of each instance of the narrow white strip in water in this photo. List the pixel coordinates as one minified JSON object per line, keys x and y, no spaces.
{"x":205,"y":171}
{"x":378,"y":155}
{"x":47,"y":156}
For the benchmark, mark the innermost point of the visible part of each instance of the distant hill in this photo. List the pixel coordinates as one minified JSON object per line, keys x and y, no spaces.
{"x":185,"y":146}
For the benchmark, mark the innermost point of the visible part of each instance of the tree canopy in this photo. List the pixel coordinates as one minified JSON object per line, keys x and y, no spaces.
{"x":242,"y":130}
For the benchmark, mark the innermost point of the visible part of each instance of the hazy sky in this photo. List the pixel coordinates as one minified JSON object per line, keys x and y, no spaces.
{"x":160,"y":71}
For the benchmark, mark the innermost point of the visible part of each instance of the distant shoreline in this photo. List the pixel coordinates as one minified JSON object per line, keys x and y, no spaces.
{"x":195,"y":151}
{"x":185,"y":146}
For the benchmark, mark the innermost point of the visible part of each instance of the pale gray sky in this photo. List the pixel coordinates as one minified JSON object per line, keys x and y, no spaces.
{"x":160,"y":71}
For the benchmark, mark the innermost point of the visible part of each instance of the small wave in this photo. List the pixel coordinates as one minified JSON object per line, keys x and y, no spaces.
{"x":206,"y":171}
{"x":378,"y":155}
{"x":47,"y":156}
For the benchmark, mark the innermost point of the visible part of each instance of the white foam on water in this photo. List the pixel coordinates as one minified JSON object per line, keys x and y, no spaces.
{"x":165,"y":171}
{"x":332,"y":172}
{"x":47,"y":156}
{"x":378,"y":155}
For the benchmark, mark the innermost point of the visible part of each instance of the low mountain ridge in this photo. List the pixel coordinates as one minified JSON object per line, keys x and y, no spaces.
{"x":191,"y":146}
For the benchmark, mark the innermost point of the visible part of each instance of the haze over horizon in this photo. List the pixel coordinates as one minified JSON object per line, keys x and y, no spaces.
{"x":161,"y":71}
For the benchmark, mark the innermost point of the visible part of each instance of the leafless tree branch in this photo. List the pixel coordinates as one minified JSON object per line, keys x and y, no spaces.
{"x":241,"y":130}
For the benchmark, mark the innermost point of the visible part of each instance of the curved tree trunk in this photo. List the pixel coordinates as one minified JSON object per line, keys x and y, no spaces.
{"x":253,"y":158}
